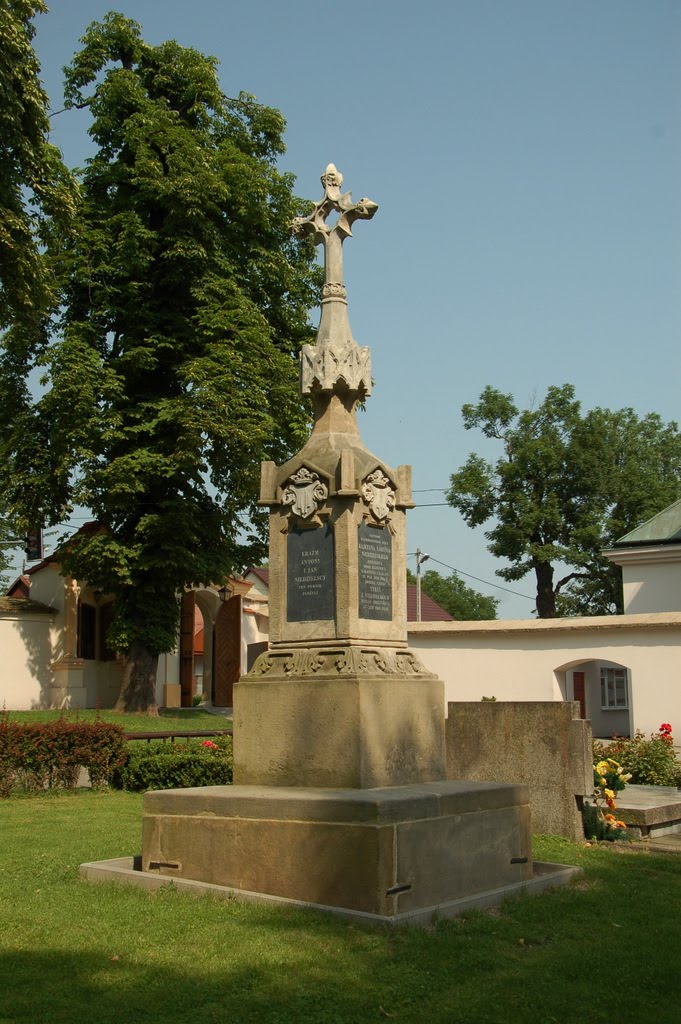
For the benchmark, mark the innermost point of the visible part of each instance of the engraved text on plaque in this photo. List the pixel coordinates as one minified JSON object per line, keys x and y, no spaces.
{"x":375,"y":573}
{"x":309,"y":575}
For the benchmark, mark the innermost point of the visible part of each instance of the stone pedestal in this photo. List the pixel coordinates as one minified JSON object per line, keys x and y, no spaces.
{"x":330,"y":717}
{"x":380,"y":852}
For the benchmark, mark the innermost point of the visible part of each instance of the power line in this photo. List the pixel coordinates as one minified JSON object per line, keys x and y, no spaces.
{"x":487,"y":583}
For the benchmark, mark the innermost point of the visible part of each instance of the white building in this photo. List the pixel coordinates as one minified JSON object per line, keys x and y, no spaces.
{"x":624,"y":670}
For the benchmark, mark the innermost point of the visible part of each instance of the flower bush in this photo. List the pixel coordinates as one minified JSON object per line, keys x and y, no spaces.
{"x":609,"y":779}
{"x":651,"y":762}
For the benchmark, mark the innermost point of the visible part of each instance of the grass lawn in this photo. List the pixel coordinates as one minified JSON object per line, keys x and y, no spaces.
{"x":603,"y":951}
{"x":168,"y":718}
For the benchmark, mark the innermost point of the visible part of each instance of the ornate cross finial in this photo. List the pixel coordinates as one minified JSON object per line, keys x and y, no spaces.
{"x":332,"y":238}
{"x":335,"y":363}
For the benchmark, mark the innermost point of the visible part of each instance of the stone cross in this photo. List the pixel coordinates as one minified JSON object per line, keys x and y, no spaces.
{"x":336,"y":363}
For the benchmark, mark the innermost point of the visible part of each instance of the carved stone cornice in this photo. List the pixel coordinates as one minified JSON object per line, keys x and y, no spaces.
{"x":338,"y":662}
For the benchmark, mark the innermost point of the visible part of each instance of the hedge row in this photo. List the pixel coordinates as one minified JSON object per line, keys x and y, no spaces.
{"x":45,"y":755}
{"x":175,"y":766}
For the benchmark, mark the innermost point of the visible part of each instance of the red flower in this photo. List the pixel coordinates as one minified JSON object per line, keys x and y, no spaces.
{"x":666,"y":729}
{"x":210,"y":744}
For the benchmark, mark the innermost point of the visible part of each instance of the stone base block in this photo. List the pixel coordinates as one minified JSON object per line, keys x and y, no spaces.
{"x":382,"y":852}
{"x":341,"y":731}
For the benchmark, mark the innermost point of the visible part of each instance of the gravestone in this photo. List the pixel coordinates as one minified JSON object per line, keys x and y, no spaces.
{"x":341,"y":798}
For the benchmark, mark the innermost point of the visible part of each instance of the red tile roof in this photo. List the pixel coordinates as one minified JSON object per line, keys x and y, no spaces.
{"x":20,"y":588}
{"x":430,"y":610}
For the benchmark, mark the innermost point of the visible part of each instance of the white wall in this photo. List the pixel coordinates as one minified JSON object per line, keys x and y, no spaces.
{"x":651,"y":588}
{"x":532,"y":660}
{"x":26,"y":655}
{"x":651,"y":577}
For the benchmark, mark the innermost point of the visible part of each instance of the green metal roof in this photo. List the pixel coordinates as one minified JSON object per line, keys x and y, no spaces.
{"x":664,"y":528}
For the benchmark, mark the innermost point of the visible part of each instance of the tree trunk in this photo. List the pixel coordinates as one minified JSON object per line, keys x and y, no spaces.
{"x":138,"y":692}
{"x":546,"y":597}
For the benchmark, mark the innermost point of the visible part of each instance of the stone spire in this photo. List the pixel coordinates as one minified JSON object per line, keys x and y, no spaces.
{"x":336,"y":364}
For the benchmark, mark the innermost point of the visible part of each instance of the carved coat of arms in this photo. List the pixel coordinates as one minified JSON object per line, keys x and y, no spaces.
{"x":305,"y":493}
{"x":378,"y":494}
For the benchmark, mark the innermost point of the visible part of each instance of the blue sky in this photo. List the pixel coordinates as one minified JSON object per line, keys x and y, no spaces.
{"x":526,"y":159}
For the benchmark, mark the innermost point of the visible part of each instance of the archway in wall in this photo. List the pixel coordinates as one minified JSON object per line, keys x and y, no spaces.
{"x":208,"y":605}
{"x":603,"y":690}
{"x":194,"y":622}
{"x":187,"y":630}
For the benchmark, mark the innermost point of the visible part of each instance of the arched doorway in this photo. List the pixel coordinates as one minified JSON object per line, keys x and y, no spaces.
{"x":187,"y":617}
{"x":603,"y":691}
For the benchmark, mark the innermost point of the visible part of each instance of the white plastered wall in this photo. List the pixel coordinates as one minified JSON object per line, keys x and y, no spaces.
{"x":25,"y":674}
{"x":532,"y":660}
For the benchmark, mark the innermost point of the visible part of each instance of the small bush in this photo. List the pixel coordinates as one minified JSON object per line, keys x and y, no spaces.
{"x":602,"y":827}
{"x":175,"y":766}
{"x":46,"y":755}
{"x":651,"y":762}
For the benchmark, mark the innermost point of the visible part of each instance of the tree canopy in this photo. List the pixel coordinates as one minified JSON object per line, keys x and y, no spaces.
{"x":456,"y":597}
{"x":37,"y":193}
{"x":37,"y":199}
{"x":171,"y":372}
{"x":566,"y":486}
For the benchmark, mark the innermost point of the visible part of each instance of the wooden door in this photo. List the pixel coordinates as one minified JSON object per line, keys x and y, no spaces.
{"x":187,"y":648}
{"x":226,"y":652}
{"x":579,"y":692}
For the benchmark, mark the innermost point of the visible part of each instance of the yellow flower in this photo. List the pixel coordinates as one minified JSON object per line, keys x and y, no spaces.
{"x":609,"y":793}
{"x":602,"y":767}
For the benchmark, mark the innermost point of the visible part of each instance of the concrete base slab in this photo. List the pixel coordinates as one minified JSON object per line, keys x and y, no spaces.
{"x":123,"y":870}
{"x":650,"y":811}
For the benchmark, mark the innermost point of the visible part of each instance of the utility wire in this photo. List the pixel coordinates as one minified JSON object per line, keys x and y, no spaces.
{"x":487,"y":583}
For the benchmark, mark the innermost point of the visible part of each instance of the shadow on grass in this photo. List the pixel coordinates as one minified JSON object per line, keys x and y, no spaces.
{"x":537,"y":960}
{"x":64,"y":988}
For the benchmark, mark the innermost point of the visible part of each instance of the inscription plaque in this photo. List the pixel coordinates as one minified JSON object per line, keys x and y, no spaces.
{"x":310,"y":590}
{"x":375,"y":573}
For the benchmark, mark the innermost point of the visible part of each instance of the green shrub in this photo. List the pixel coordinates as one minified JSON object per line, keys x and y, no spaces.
{"x":175,"y":766}
{"x":46,"y":755}
{"x":651,"y":762}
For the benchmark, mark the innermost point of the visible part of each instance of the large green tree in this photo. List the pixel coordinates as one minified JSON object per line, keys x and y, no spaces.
{"x":37,"y":199}
{"x":456,"y":597}
{"x":37,"y":193}
{"x":172,"y":372}
{"x":566,"y":485}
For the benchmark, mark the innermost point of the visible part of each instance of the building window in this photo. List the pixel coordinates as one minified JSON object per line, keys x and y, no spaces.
{"x":87,"y":631}
{"x":614,"y":691}
{"x":93,"y":626}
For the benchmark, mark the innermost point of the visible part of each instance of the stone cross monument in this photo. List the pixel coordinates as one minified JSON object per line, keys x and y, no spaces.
{"x":338,"y":699}
{"x":340,"y":797}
